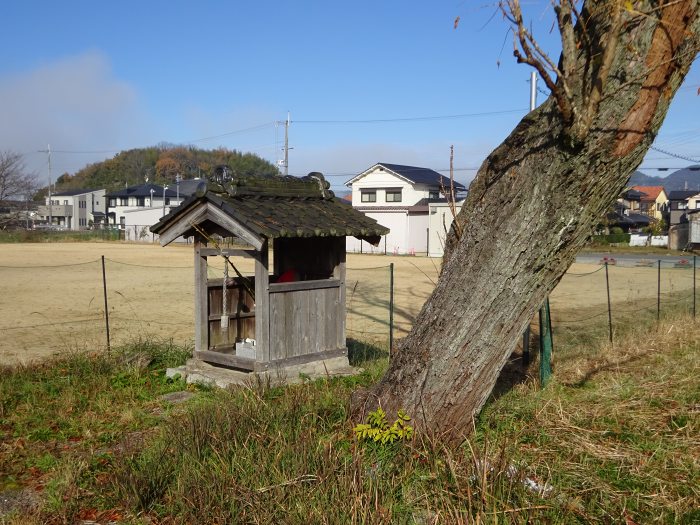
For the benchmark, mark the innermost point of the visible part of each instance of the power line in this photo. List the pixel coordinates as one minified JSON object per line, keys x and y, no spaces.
{"x":354,"y":173}
{"x":244,"y":130}
{"x":410,"y":119}
{"x":77,"y":152}
{"x":676,"y":155}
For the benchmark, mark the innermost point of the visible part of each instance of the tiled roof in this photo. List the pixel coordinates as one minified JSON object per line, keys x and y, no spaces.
{"x":143,"y":190}
{"x":632,"y":195}
{"x":281,"y":207}
{"x":71,"y":193}
{"x":417,"y":175}
{"x":681,"y":195}
{"x":650,"y":192}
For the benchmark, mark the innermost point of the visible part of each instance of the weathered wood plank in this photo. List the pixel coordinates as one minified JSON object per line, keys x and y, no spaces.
{"x":183,"y":225}
{"x":277,"y":327}
{"x":262,"y":305}
{"x":210,"y":252}
{"x":304,"y":285}
{"x":201,"y":299}
{"x":241,"y":315}
{"x":233,"y":361}
{"x":339,"y":273}
{"x":314,"y":323}
{"x":221,"y":218}
{"x":329,"y":327}
{"x":302,"y":359}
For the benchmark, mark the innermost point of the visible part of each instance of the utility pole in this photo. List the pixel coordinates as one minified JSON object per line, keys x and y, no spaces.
{"x":284,"y":162}
{"x":533,"y":89}
{"x":48,"y":151}
{"x":286,"y":146}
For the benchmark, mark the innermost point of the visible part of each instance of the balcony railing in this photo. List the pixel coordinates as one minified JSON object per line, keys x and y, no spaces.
{"x":57,"y":210}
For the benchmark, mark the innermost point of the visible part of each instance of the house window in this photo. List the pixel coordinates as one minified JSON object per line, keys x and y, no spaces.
{"x":112,"y":203}
{"x":433,"y":194}
{"x":141,"y":201}
{"x":393,"y":195}
{"x":368,"y":196}
{"x":683,"y":205}
{"x":123,"y":201}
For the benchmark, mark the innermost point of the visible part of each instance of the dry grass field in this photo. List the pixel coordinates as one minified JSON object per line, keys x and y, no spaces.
{"x":51,"y":297}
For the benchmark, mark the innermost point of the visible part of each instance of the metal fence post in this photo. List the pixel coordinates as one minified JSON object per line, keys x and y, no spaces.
{"x":526,"y":346}
{"x":391,"y":307}
{"x":694,"y":257}
{"x":104,"y":288}
{"x":658,"y":290}
{"x":607,"y":287}
{"x":545,"y":344}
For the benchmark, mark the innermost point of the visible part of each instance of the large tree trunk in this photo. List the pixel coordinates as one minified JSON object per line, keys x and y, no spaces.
{"x":531,"y":207}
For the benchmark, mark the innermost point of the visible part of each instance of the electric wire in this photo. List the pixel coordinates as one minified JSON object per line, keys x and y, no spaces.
{"x":410,"y":119}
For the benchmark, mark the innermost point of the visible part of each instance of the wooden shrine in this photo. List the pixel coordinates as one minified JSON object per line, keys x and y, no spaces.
{"x":292,"y":316}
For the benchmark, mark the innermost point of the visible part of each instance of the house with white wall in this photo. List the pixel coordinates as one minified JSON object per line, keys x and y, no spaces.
{"x":138,"y":221}
{"x":398,"y":197}
{"x":74,"y":209}
{"x":142,"y":197}
{"x":440,"y":217}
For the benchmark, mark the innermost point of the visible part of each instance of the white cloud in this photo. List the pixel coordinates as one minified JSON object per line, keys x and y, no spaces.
{"x":76,"y":103}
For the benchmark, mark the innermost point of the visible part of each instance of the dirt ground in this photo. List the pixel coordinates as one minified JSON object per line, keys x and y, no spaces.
{"x":51,"y":295}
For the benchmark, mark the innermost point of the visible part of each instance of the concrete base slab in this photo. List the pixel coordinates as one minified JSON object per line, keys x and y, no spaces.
{"x":197,"y":371}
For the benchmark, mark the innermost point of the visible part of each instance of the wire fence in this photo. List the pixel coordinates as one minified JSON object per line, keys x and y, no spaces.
{"x":45,"y":309}
{"x":50,"y":308}
{"x":620,"y":293}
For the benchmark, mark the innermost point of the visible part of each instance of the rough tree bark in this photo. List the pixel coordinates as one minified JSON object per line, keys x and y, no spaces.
{"x":536,"y":199}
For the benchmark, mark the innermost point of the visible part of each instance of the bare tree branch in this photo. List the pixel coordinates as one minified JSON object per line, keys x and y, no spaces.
{"x":15,"y":182}
{"x":534,"y":56}
{"x":568,"y":38}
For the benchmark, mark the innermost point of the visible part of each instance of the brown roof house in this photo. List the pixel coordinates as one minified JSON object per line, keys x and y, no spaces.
{"x":283,"y":323}
{"x":653,"y":202}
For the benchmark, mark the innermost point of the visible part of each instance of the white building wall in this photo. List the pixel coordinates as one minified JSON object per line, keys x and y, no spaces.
{"x":380,"y":181}
{"x":151,"y":208}
{"x":439,"y":222}
{"x":82,"y":207}
{"x":417,"y":233}
{"x":394,"y":242}
{"x":138,"y":222}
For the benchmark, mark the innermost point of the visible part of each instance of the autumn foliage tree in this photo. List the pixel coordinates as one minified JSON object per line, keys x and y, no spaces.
{"x":537,"y":197}
{"x":161,"y":164}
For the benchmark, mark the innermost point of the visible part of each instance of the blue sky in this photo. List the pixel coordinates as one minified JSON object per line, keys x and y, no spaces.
{"x":93,"y":78}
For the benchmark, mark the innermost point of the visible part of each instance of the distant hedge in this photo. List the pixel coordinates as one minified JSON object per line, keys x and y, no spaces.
{"x":613,"y":238}
{"x":10,"y":236}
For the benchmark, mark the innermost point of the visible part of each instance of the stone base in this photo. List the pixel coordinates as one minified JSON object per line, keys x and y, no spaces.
{"x":197,"y":371}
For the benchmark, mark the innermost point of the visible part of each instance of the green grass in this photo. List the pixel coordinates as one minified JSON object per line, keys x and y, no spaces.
{"x":614,"y":436}
{"x":61,"y":420}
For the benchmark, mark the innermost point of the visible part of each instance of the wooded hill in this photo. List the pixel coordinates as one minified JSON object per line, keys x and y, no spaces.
{"x":161,"y":165}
